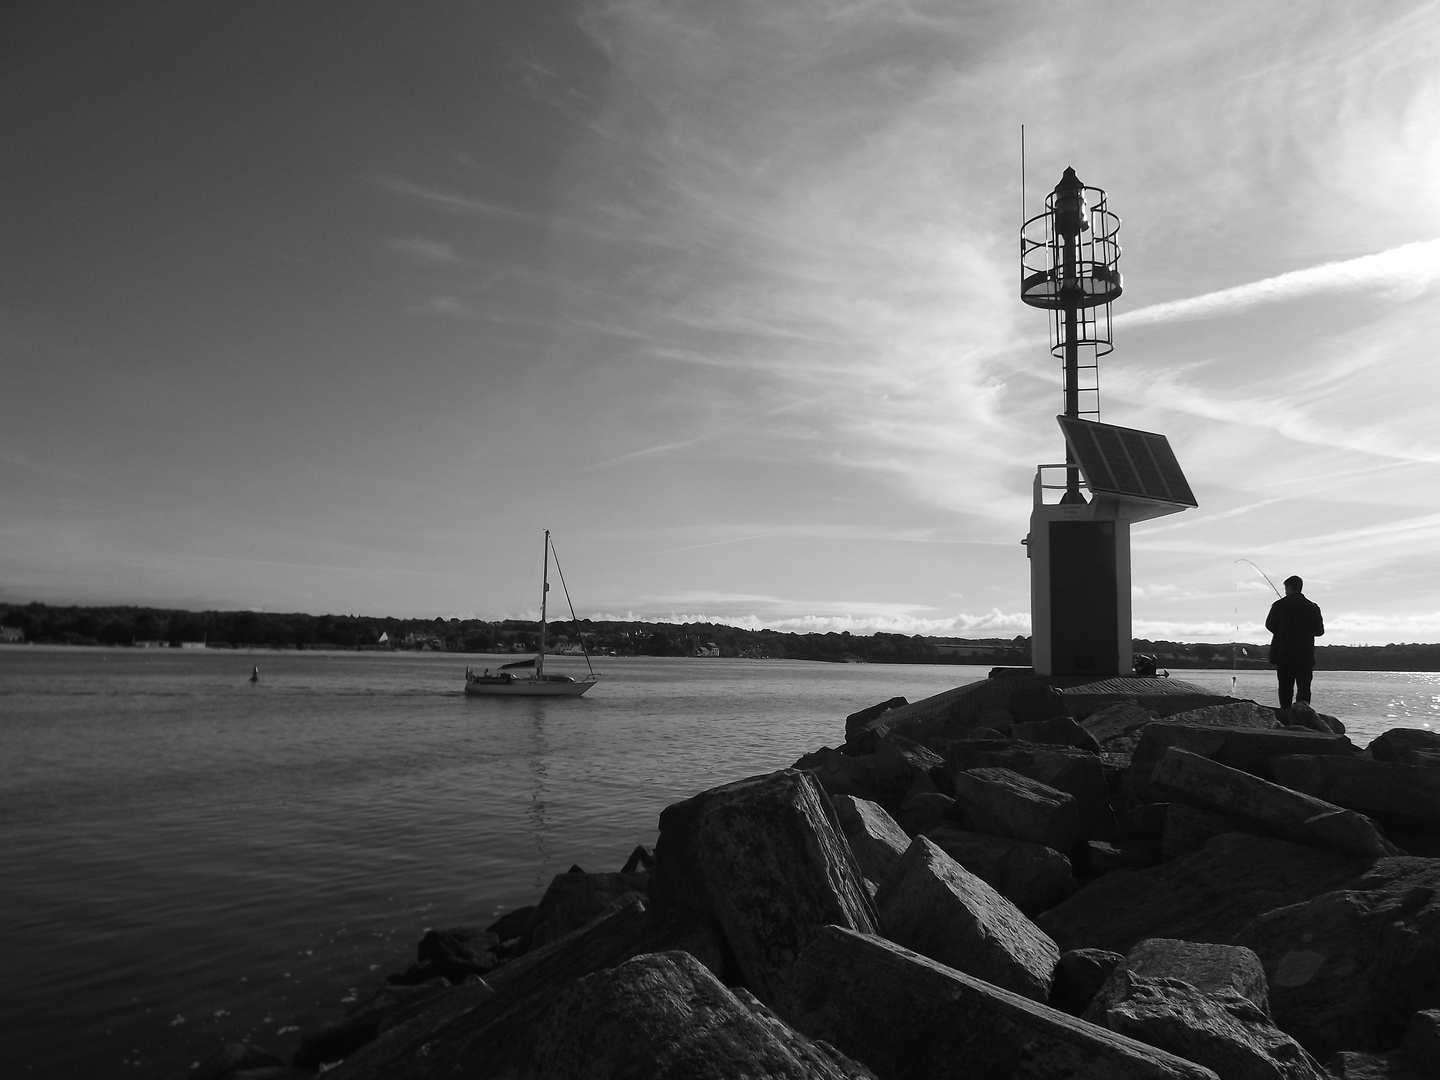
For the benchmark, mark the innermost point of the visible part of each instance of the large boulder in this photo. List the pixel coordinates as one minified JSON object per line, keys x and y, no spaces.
{"x":1422,"y":1039}
{"x":1246,"y":749}
{"x":1201,"y":897}
{"x":1229,"y":714}
{"x":954,"y":714}
{"x":903,"y":768}
{"x":1187,"y":828}
{"x":1277,"y":810}
{"x":485,"y":1029}
{"x":1348,"y":968}
{"x":1301,"y":714}
{"x":1206,"y":1002}
{"x":1390,"y":791}
{"x":910,"y":1018}
{"x":841,"y":773}
{"x":924,"y":810}
{"x":1410,"y":746}
{"x":513,"y":931}
{"x":1031,"y":876}
{"x":574,"y":898}
{"x":1221,"y":1030}
{"x":936,"y":907}
{"x":1079,"y":773}
{"x":1116,"y":727}
{"x":1392,"y":1065}
{"x":391,"y":1005}
{"x":764,"y":856}
{"x":1209,"y":967}
{"x":454,"y":954}
{"x":856,"y":721}
{"x":322,"y":1048}
{"x":1056,"y":731}
{"x":1166,"y":697}
{"x":1083,"y":776}
{"x":876,"y":840}
{"x":1002,"y":802}
{"x":665,"y":1016}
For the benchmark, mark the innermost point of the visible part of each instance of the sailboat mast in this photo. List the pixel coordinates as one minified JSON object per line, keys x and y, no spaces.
{"x":544,"y":595}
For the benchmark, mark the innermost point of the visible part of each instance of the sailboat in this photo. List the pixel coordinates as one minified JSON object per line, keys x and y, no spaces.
{"x":513,"y":680}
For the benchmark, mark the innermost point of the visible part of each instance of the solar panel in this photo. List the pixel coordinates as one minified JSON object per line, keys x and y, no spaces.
{"x":1124,"y":461}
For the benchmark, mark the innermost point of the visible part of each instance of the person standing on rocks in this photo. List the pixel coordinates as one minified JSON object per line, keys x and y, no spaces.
{"x":1296,"y":623}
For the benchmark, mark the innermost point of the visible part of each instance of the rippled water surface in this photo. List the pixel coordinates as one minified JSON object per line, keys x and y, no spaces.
{"x":190,"y":858}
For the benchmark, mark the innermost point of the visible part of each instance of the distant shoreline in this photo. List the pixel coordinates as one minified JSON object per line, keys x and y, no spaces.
{"x":140,"y":627}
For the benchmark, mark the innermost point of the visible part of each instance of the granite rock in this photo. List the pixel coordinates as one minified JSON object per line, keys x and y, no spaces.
{"x":484,"y":1029}
{"x":875,"y":838}
{"x":1031,"y":876}
{"x":1221,"y":1030}
{"x":1249,"y":750}
{"x":909,"y":1018}
{"x":1348,"y":968}
{"x":765,"y":856}
{"x":1404,"y":744}
{"x":1002,"y":802}
{"x":934,"y":906}
{"x":665,"y":1016}
{"x":1271,"y":807}
{"x":1206,"y":896}
{"x":1390,"y":791}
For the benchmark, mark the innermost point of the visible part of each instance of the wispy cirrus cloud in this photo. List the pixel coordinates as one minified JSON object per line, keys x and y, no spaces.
{"x":451,"y":200}
{"x":423,"y":250}
{"x":994,"y":623}
{"x":1405,"y":271}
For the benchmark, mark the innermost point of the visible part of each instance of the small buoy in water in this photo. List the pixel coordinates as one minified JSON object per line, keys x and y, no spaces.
{"x":255,"y":673}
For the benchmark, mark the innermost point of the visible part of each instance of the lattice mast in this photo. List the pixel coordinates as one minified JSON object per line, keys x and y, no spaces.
{"x":1069,"y":265}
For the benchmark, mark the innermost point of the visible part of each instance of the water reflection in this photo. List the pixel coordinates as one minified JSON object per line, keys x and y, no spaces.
{"x":539,"y":761}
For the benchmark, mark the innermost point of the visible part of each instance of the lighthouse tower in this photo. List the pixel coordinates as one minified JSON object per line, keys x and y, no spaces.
{"x":1079,"y":540}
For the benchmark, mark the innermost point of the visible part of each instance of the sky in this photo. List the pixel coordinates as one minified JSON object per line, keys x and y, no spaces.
{"x":336,"y":307}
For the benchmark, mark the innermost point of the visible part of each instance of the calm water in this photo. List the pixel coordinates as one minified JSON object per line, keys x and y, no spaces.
{"x":189,"y":858}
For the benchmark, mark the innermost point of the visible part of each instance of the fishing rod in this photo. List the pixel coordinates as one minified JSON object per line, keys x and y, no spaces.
{"x":1233,"y":661}
{"x":1264,"y":575}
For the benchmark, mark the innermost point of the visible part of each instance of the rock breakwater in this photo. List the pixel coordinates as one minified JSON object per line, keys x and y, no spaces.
{"x":1011,"y":879}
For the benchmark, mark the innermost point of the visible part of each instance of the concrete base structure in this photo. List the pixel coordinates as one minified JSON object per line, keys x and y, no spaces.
{"x":1080,"y":590}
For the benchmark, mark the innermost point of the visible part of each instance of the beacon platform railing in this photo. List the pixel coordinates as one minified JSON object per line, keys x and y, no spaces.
{"x":1051,"y":483}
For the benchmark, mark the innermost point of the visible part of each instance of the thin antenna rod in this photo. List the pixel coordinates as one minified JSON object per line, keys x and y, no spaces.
{"x":1022,"y":176}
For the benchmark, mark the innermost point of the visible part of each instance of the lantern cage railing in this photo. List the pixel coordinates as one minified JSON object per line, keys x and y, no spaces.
{"x":1069,"y":266}
{"x":1091,"y":276}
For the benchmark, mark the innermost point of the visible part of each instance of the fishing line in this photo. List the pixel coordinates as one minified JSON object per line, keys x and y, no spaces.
{"x":1234,"y":659}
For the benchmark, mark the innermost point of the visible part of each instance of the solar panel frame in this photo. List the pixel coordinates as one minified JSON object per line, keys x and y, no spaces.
{"x":1127,"y":462}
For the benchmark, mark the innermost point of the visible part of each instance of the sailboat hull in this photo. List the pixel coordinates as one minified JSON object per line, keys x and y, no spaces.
{"x":547,"y":686}
{"x":505,"y":683}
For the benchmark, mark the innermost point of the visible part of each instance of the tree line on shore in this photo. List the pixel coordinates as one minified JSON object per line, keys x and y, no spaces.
{"x":128,"y":626}
{"x":132,"y":626}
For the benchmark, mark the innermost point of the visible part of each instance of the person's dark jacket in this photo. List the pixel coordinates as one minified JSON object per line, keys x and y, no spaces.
{"x":1296,"y":623}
